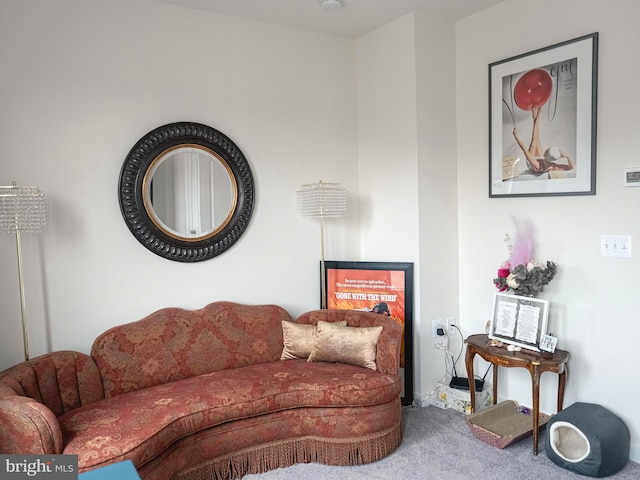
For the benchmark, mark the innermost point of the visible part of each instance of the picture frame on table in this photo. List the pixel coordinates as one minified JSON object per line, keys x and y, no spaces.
{"x":385,"y":288}
{"x":548,"y":343}
{"x":520,"y":321}
{"x":542,"y":121}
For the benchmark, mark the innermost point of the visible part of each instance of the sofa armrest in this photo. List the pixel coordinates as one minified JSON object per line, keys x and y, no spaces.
{"x":28,"y":427}
{"x":388,"y":348}
{"x":61,"y":381}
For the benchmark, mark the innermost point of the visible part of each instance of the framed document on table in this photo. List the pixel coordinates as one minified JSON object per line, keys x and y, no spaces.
{"x":520,"y":321}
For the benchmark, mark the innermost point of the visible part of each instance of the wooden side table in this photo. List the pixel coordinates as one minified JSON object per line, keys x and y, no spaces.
{"x":535,"y":362}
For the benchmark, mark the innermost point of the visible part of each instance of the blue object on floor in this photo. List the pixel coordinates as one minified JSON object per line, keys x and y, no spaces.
{"x":116,"y":471}
{"x":588,"y":439}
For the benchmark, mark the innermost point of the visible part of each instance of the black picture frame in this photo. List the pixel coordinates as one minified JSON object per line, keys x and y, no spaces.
{"x":543,"y":121}
{"x":380,"y":282}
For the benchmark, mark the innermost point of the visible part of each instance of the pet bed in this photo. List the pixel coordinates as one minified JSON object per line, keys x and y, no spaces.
{"x":588,"y":439}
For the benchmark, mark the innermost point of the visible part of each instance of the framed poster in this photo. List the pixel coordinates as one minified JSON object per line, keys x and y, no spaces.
{"x":381,"y":287}
{"x":542,"y":121}
{"x":520,"y":321}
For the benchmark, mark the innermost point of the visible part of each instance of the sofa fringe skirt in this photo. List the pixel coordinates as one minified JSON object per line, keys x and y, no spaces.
{"x":285,"y":453}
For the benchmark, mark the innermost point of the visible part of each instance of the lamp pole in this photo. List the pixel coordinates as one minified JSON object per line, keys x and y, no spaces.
{"x":320,"y":200}
{"x":23,"y":305}
{"x":22,"y":209}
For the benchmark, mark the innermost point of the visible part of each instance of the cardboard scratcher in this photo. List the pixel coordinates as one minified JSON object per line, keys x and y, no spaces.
{"x":502,"y":424}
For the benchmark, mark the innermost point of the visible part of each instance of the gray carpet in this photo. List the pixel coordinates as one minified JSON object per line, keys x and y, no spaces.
{"x":438,"y":445}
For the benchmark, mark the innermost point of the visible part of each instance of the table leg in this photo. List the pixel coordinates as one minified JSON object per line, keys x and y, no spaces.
{"x":495,"y":383}
{"x":562,"y":380}
{"x":468,"y":361}
{"x":535,"y":379}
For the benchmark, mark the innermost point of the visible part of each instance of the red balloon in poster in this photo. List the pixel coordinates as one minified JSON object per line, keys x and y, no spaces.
{"x":533,"y":89}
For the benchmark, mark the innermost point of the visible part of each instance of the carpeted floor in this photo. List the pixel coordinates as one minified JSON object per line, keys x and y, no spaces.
{"x":438,"y":445}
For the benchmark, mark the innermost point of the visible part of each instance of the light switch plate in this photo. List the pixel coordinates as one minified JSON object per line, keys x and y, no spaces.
{"x":615,"y":245}
{"x":632,"y":177}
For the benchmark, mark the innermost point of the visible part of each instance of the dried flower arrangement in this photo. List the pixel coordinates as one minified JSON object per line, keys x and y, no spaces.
{"x":520,"y":274}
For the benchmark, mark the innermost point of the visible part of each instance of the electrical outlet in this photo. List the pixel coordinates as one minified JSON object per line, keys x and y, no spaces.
{"x":451,"y":321}
{"x":435,"y":325}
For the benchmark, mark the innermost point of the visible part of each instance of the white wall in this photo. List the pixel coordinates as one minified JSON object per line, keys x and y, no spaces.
{"x":407,"y":168}
{"x":594,"y":300}
{"x":388,"y":155}
{"x":83,"y":80}
{"x":438,"y":200}
{"x":387,"y":142}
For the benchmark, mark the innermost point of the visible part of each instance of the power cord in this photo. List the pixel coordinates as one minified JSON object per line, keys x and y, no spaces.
{"x":444,"y":346}
{"x":459,"y":352}
{"x":444,"y":379}
{"x":449,"y":360}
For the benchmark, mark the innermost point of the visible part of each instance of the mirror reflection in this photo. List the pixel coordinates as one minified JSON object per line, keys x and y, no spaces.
{"x":189,"y":192}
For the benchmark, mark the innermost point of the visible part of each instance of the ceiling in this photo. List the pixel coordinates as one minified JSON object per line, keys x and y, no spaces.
{"x":355,"y":18}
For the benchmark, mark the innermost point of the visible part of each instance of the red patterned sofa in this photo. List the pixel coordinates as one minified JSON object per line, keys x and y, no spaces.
{"x":204,"y":394}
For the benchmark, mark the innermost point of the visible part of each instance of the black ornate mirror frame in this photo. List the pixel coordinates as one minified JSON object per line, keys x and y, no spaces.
{"x":131,"y":192}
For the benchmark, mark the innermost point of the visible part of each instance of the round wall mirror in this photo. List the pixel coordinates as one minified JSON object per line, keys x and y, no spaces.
{"x":186,"y":192}
{"x":189,"y":192}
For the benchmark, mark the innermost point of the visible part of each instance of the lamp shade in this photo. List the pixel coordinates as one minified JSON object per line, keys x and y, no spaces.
{"x":322,"y":200}
{"x":21,"y":209}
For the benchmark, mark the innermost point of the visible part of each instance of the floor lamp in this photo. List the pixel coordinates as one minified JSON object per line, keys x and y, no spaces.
{"x":322,"y":200}
{"x":22,"y":209}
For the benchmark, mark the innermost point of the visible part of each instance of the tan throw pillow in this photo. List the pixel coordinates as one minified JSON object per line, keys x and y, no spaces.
{"x":299,"y":339}
{"x":352,"y":345}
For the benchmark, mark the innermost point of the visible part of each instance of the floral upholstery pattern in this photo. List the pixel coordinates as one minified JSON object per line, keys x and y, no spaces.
{"x":34,"y":392}
{"x":28,"y":426}
{"x":204,"y":394}
{"x":62,"y":381}
{"x":137,"y":425}
{"x":172,"y":344}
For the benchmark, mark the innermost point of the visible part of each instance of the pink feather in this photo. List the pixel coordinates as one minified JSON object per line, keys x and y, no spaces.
{"x":522,"y":245}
